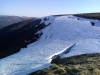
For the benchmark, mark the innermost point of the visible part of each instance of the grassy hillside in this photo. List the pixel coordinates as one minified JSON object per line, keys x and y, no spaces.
{"x":86,"y":64}
{"x":89,"y":15}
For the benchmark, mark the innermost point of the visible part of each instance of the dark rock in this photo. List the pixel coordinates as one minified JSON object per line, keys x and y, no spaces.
{"x":92,"y":23}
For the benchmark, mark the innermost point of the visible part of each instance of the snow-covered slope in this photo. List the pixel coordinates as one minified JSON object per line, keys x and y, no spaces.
{"x":59,"y":35}
{"x":96,"y":22}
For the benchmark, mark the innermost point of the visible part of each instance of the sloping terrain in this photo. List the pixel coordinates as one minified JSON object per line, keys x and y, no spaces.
{"x":89,"y":15}
{"x":55,"y":34}
{"x":19,"y":35}
{"x":86,"y":64}
{"x":8,"y":20}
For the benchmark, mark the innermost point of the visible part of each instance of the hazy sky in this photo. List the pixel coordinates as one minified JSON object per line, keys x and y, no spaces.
{"x":38,"y":8}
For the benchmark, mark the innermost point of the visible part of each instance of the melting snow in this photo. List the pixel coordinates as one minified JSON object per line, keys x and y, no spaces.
{"x":60,"y":34}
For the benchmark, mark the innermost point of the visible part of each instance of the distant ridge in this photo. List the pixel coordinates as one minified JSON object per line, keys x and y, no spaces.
{"x":7,"y":20}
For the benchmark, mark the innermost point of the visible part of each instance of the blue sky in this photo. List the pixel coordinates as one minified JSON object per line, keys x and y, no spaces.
{"x":38,"y":8}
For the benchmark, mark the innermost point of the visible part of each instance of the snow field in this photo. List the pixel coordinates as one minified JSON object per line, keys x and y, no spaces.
{"x":60,"y":34}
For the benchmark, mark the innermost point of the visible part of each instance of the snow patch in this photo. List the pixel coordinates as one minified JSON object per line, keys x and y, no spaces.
{"x":59,"y":35}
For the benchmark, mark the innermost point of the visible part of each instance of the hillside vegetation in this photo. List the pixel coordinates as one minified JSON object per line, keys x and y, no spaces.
{"x":13,"y":37}
{"x":86,"y":64}
{"x":19,"y":35}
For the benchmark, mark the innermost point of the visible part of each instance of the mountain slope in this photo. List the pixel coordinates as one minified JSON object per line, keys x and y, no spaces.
{"x":14,"y":37}
{"x":7,"y":20}
{"x":57,"y":34}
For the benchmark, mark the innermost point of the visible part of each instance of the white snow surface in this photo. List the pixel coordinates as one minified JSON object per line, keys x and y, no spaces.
{"x":60,"y":34}
{"x":95,"y":21}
